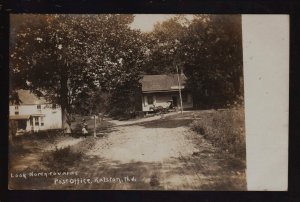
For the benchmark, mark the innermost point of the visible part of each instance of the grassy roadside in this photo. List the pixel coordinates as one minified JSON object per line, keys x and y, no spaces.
{"x":36,"y":146}
{"x":225,"y":129}
{"x":101,"y":125}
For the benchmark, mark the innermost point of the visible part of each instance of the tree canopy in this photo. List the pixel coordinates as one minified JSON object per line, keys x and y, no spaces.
{"x":63,"y":57}
{"x":77,"y":60}
{"x":207,"y":48}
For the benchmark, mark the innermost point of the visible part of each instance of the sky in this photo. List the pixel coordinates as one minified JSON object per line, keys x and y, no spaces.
{"x":146,"y":22}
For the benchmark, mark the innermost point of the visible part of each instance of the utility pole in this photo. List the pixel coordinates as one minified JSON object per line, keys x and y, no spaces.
{"x":95,"y":126}
{"x":179,"y":89}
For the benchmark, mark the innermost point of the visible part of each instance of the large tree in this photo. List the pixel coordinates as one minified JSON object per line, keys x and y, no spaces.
{"x":213,"y":59}
{"x":44,"y":59}
{"x":164,"y":46}
{"x":118,"y":56}
{"x":208,"y":48}
{"x":61,"y":57}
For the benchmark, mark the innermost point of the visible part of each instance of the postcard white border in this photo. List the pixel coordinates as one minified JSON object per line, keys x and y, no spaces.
{"x":266,"y":78}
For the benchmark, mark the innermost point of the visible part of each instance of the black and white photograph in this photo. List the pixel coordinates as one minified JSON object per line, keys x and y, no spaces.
{"x":126,"y":102}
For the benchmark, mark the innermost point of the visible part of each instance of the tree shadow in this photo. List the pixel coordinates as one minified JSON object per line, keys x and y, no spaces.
{"x":166,"y":123}
{"x":183,"y":173}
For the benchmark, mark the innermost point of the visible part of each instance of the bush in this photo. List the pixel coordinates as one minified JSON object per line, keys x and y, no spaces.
{"x":61,"y":158}
{"x":60,"y":154}
{"x":224,"y":129}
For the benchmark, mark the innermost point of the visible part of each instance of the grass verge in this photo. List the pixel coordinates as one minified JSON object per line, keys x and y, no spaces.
{"x":67,"y":157}
{"x":225,"y":129}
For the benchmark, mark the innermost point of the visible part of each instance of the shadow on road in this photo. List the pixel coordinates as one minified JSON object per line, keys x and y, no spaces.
{"x":173,"y":174}
{"x":166,"y":123}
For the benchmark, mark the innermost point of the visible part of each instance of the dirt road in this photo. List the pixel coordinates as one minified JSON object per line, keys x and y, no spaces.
{"x":161,"y":154}
{"x":150,"y":154}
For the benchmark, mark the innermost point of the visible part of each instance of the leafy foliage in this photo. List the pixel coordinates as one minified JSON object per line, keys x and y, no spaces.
{"x":209,"y":50}
{"x":213,"y":61}
{"x":93,"y":63}
{"x":66,"y":57}
{"x":164,"y":45}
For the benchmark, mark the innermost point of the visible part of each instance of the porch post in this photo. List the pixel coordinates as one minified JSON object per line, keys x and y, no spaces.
{"x":39,"y":123}
{"x":33,"y":123}
{"x":28,"y":124}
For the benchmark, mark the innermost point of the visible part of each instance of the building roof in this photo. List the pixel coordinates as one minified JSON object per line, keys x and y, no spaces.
{"x":162,"y":83}
{"x":19,"y":117}
{"x":27,"y":97}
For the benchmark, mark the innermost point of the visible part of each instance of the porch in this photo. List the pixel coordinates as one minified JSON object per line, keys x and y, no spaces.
{"x":27,"y":123}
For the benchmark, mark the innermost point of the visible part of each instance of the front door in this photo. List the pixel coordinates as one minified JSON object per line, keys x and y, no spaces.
{"x":175,"y":103}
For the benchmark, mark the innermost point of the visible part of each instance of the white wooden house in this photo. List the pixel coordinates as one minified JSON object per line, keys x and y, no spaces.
{"x":34,"y":114}
{"x":160,"y":90}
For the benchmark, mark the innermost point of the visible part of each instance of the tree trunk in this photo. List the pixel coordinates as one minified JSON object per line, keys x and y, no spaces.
{"x":66,"y":126}
{"x":66,"y":122}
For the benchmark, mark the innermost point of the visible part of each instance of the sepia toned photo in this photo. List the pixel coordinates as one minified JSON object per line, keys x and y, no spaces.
{"x":126,"y":102}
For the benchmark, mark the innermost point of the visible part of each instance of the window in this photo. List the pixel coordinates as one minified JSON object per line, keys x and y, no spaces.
{"x":42,"y":121}
{"x":36,"y":120}
{"x":150,"y":100}
{"x":38,"y":107}
{"x":16,"y":110}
